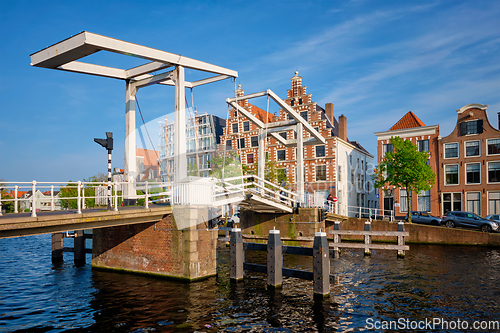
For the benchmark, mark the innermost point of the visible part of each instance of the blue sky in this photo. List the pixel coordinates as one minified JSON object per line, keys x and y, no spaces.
{"x":375,"y":60}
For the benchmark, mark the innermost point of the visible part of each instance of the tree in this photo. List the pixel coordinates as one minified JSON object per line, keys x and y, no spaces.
{"x":226,"y":167}
{"x":405,"y":167}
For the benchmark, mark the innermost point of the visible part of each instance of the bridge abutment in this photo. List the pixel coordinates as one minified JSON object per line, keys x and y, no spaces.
{"x":157,"y":248}
{"x":296,"y":229}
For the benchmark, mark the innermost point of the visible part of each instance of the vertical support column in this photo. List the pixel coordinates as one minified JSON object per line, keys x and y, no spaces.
{"x":109,"y":178}
{"x":79,"y":248}
{"x":57,"y":247}
{"x":129,"y":194}
{"x":180,"y":158}
{"x":274,"y":260}
{"x":401,"y":239}
{"x":300,"y":163}
{"x":16,"y":204}
{"x":368,"y":238}
{"x":146,"y":199}
{"x":79,"y":198}
{"x":116,"y":196}
{"x":33,"y":199}
{"x":52,"y":204}
{"x":321,"y":265}
{"x":336,"y":240}
{"x":236,"y":257}
{"x":262,"y":158}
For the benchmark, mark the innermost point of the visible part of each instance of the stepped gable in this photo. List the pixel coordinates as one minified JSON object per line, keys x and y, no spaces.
{"x":409,"y":120}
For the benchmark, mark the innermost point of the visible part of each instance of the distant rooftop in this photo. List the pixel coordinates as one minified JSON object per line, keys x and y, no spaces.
{"x":409,"y":120}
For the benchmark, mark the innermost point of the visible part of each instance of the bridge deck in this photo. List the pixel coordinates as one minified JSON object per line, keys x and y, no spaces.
{"x":18,"y":225}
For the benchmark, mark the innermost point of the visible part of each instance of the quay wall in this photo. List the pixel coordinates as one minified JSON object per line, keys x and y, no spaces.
{"x":419,"y":233}
{"x":157,"y":248}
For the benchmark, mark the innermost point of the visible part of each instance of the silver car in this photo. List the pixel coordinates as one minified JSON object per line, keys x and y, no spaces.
{"x":424,"y":218}
{"x":494,"y":217}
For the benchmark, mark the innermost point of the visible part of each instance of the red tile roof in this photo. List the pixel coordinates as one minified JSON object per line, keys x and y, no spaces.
{"x":261,"y":114}
{"x":409,"y":120}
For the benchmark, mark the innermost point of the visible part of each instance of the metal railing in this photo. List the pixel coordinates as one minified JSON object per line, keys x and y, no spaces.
{"x":35,"y":194}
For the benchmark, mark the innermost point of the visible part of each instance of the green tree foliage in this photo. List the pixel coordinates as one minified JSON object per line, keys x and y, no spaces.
{"x":71,"y":191}
{"x":227,"y":167}
{"x":405,"y":167}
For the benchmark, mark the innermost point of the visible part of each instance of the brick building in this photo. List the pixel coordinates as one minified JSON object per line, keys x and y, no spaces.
{"x":410,"y":127}
{"x":322,"y":163}
{"x":469,"y":166}
{"x":466,"y":163}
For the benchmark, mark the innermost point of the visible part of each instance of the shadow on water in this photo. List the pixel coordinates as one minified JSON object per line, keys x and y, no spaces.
{"x":432,"y":281}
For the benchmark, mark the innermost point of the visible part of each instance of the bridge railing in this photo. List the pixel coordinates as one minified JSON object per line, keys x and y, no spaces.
{"x":252,"y":183}
{"x":41,"y":196}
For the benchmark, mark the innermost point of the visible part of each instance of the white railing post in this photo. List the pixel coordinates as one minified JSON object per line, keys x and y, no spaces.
{"x":33,"y":199}
{"x":1,"y":214}
{"x":52,"y":208}
{"x":146,"y":199}
{"x":392,"y":215}
{"x":78,"y":198}
{"x":15,"y":199}
{"x":83,"y":196}
{"x":116,"y":196}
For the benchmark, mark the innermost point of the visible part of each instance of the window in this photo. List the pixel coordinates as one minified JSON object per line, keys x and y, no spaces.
{"x":292,"y":102}
{"x":241,"y":143}
{"x":352,"y":176}
{"x":424,"y":201}
{"x":494,"y":203}
{"x":452,"y":201}
{"x":471,"y":127}
{"x":236,"y":113}
{"x":387,"y":148}
{"x":403,"y":198}
{"x":229,"y":144}
{"x":493,"y":146}
{"x":423,"y":145}
{"x":254,"y":141}
{"x":451,"y":174}
{"x":473,"y":202}
{"x":320,"y":172}
{"x":320,"y":151}
{"x":451,"y":150}
{"x":281,"y":155}
{"x":235,"y":128}
{"x":339,"y":176}
{"x":246,"y":126}
{"x":493,"y":172}
{"x":473,"y":173}
{"x":472,"y":148}
{"x":300,"y":101}
{"x":249,"y":158}
{"x":303,"y":114}
{"x":283,"y":135}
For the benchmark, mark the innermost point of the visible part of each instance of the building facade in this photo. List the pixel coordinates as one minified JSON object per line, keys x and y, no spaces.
{"x":321,"y":162}
{"x":203,"y":134}
{"x":410,"y":127}
{"x":469,"y":167}
{"x":466,"y":164}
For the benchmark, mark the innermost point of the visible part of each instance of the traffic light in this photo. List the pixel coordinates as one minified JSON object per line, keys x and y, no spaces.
{"x":106,"y":143}
{"x":322,"y":214}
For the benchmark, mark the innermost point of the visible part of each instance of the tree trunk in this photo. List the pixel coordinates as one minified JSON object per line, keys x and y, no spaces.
{"x":408,"y":199}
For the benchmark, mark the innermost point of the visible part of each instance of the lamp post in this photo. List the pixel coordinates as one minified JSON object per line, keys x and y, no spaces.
{"x":108,"y":144}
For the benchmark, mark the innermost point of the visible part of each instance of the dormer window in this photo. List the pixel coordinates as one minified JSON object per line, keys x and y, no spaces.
{"x":471,"y":127}
{"x":300,"y":101}
{"x":292,"y":102}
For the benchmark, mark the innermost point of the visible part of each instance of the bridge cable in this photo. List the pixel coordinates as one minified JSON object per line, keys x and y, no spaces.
{"x":147,"y":132}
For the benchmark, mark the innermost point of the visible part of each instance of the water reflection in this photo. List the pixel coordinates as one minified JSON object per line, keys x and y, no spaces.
{"x":431,"y":282}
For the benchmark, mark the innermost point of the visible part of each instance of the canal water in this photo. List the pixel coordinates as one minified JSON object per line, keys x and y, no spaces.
{"x":438,"y":284}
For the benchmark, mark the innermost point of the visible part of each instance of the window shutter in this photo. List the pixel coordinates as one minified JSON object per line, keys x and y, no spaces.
{"x":463,"y":129}
{"x":480,"y":126}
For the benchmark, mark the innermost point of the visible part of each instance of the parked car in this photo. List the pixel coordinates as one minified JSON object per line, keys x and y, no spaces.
{"x":494,"y":217}
{"x":424,"y":218}
{"x":469,"y":220}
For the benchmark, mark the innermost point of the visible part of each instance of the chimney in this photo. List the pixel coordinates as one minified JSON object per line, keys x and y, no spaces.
{"x":329,"y":111}
{"x":343,"y":127}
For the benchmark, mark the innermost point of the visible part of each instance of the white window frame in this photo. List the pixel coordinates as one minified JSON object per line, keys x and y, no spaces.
{"x":444,"y":150}
{"x":467,"y":203}
{"x":465,"y":148}
{"x":487,"y":140}
{"x":480,"y":176}
{"x":424,"y":196}
{"x":488,"y":208}
{"x":452,"y":194}
{"x":444,"y":172}
{"x":488,"y":172}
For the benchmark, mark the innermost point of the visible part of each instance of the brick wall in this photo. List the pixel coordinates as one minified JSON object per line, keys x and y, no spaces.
{"x":157,"y":249}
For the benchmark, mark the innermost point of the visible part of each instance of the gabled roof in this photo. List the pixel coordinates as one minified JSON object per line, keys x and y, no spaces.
{"x":409,"y":120}
{"x":260,"y":114}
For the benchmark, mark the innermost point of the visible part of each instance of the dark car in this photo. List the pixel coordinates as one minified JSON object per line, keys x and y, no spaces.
{"x":469,"y":220}
{"x":494,"y":217}
{"x":424,"y":218}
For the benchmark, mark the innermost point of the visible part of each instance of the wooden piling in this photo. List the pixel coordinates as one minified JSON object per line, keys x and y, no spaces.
{"x":57,"y":247}
{"x":236,"y":254}
{"x":274,"y":260}
{"x":79,"y":248}
{"x":321,"y":265}
{"x":368,"y":238}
